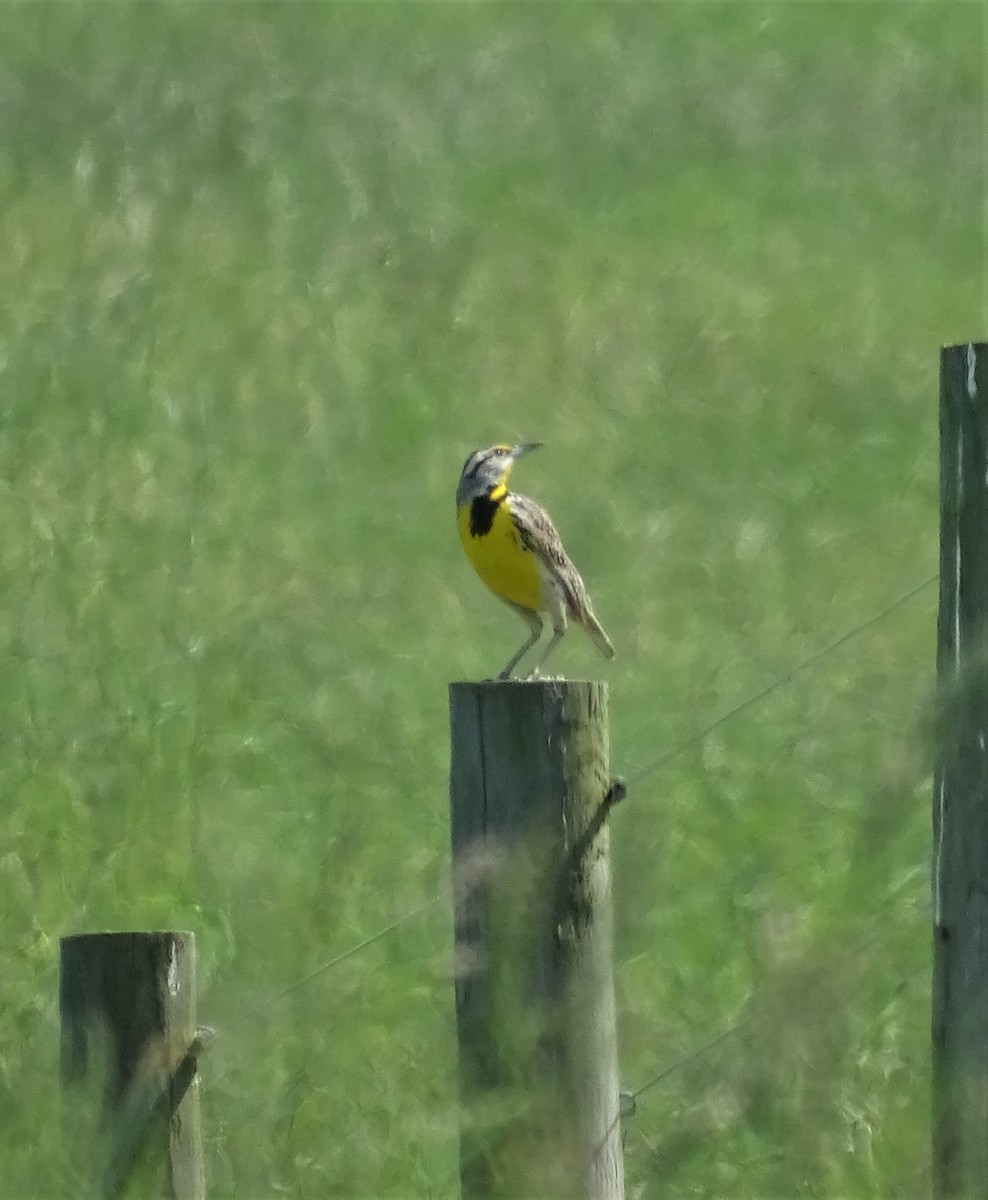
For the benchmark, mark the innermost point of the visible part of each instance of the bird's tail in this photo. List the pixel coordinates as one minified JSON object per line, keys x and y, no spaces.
{"x":597,"y":634}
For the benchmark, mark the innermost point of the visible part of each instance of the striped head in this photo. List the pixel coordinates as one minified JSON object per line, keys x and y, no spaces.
{"x":486,"y":471}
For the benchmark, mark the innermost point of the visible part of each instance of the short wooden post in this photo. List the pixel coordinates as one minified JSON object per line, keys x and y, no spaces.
{"x":960,"y":800}
{"x":530,"y":793}
{"x":129,"y":1049}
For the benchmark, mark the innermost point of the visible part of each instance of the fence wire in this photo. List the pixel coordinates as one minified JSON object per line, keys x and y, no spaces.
{"x":692,"y":740}
{"x":817,"y":656}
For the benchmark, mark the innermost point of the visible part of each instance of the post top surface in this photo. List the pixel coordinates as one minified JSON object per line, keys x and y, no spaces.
{"x":548,"y":681}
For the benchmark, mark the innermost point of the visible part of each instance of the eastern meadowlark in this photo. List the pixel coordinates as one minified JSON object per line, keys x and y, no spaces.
{"x":517,"y":552}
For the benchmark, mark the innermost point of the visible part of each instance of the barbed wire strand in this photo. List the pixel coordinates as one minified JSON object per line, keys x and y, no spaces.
{"x":270,"y":1001}
{"x":693,"y":740}
{"x":628,"y":1098}
{"x":696,"y":1052}
{"x":697,"y":737}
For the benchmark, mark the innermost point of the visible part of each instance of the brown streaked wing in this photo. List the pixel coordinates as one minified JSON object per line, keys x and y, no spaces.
{"x":539,"y":535}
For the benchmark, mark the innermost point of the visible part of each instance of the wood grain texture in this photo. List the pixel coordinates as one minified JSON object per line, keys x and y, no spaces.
{"x":960,"y":797}
{"x":534,"y":987}
{"x":127,"y":1005}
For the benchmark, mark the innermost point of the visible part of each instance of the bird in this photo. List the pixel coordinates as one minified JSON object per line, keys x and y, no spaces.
{"x":517,"y":552}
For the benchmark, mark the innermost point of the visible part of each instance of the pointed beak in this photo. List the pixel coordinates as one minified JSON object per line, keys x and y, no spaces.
{"x":525,"y":448}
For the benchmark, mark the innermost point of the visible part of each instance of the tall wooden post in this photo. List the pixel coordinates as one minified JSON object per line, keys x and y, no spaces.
{"x":960,"y":801}
{"x":530,"y":794}
{"x":129,"y":1049}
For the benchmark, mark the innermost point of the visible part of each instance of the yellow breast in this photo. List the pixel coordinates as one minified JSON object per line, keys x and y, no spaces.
{"x":499,"y":557}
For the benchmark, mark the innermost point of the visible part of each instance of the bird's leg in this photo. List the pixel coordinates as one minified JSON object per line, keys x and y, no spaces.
{"x":535,"y":624}
{"x":558,"y":629}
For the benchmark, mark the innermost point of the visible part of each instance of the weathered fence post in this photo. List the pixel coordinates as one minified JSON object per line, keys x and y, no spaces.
{"x":129,"y":1047}
{"x":960,"y":800}
{"x":530,"y":793}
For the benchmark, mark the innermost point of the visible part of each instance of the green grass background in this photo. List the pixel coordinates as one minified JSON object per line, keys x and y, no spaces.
{"x":268,"y":273}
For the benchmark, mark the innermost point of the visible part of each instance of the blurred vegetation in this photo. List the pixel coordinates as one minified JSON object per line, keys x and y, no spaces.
{"x":268,"y":273}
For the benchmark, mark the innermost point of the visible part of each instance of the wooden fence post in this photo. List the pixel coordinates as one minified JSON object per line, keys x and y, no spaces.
{"x":530,"y":793}
{"x":129,"y":1047}
{"x":960,"y":799}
